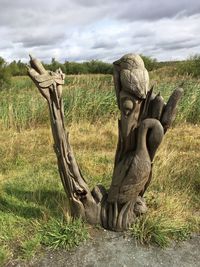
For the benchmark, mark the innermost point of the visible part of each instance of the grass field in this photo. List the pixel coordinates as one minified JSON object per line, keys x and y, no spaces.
{"x":33,"y":206}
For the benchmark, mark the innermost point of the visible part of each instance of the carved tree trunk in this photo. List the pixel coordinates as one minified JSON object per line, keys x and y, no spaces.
{"x":144,"y":120}
{"x":81,"y":200}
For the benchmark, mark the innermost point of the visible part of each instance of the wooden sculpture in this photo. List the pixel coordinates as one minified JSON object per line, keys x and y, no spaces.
{"x":144,"y":120}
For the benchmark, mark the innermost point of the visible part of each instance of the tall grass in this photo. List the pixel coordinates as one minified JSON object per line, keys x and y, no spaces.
{"x":86,"y":98}
{"x":92,"y":105}
{"x":189,"y":107}
{"x":20,"y":106}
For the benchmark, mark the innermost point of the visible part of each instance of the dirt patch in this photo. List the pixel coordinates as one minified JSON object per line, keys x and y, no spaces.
{"x":110,"y":249}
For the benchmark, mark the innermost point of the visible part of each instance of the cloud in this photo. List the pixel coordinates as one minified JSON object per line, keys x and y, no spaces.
{"x":39,"y":39}
{"x":98,"y":29}
{"x":176,"y":45}
{"x":105,"y":44}
{"x":149,"y":10}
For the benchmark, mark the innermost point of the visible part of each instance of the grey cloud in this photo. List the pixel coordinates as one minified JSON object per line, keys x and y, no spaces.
{"x":4,"y":45}
{"x":23,"y":13}
{"x":179,"y":45}
{"x":154,"y":10}
{"x":80,"y":58}
{"x":41,"y":40}
{"x":105,"y":44}
{"x":98,"y":29}
{"x":143,"y":33}
{"x":89,"y":3}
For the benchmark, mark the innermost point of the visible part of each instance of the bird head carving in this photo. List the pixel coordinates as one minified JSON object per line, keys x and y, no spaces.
{"x":133,"y":76}
{"x":130,"y":61}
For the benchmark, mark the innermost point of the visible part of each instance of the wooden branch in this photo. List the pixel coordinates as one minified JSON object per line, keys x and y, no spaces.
{"x":170,"y":109}
{"x":81,"y":200}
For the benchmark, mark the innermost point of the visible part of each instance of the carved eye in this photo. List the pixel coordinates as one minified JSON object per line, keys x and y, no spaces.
{"x":128,"y":106}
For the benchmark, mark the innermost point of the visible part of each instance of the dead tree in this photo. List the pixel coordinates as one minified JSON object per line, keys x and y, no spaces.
{"x":144,"y":120}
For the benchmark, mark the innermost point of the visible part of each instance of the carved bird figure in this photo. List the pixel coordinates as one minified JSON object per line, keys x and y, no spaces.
{"x":133,"y":172}
{"x":131,"y":76}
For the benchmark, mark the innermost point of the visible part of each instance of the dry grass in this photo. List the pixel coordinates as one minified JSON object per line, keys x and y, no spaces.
{"x":31,"y":194}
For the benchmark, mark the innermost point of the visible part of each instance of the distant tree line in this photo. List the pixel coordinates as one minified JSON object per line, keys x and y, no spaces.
{"x":191,"y":66}
{"x":93,"y":66}
{"x":18,"y":68}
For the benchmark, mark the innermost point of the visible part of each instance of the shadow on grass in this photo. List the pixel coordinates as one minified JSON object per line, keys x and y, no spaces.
{"x":32,"y":204}
{"x":26,"y":211}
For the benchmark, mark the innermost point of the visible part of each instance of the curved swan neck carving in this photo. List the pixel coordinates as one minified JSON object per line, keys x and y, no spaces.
{"x":157,"y":133}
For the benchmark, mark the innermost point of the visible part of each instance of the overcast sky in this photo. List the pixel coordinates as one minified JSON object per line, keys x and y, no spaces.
{"x":80,"y":30}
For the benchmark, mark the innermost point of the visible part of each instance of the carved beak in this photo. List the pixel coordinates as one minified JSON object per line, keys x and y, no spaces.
{"x":117,"y":62}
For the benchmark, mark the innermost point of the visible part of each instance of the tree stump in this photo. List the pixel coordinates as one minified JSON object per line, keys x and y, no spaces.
{"x":144,"y":120}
